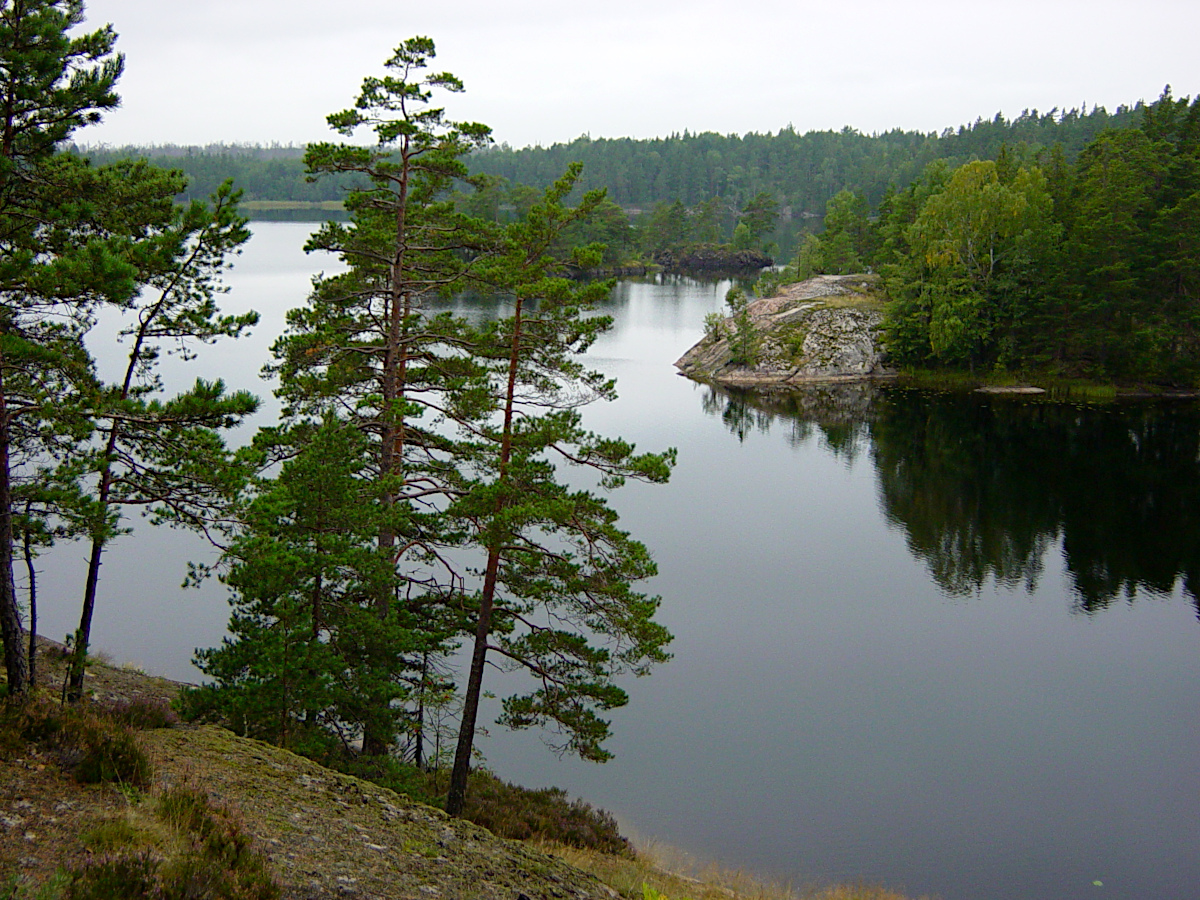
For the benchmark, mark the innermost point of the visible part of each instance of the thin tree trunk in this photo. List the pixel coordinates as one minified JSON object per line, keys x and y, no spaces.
{"x":419,"y":743}
{"x":100,"y":537}
{"x":457,"y":797}
{"x":16,"y":663}
{"x":84,"y":632}
{"x":27,"y":545}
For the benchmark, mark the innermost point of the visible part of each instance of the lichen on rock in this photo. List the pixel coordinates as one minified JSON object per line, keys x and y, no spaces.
{"x":824,"y":329}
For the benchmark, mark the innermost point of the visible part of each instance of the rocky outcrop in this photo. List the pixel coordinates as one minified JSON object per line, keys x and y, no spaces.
{"x":820,"y":330}
{"x":712,"y":257}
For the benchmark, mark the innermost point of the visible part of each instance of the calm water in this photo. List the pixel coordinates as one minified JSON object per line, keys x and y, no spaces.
{"x":941,"y":643}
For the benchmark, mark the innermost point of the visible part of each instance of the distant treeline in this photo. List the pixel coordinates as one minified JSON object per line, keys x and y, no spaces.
{"x":801,"y":171}
{"x":262,"y":173}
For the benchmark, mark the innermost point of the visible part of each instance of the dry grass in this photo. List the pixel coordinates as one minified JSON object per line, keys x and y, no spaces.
{"x":856,"y":299}
{"x":679,"y":876}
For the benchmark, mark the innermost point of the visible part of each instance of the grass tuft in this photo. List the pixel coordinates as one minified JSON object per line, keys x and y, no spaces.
{"x":664,"y":873}
{"x":208,"y":855}
{"x":93,"y":746}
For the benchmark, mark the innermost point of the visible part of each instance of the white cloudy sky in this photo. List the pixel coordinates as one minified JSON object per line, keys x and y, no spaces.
{"x":541,"y":72}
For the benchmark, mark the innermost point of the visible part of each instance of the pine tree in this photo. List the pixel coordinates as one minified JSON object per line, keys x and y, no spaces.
{"x":309,"y":655}
{"x":365,"y":345}
{"x":555,"y":597}
{"x":54,"y":262}
{"x":166,"y":457}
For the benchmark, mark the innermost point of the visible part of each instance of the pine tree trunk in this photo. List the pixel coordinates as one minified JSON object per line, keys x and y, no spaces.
{"x":28,"y":548}
{"x":457,"y":797}
{"x":83,"y":633}
{"x":16,"y":663}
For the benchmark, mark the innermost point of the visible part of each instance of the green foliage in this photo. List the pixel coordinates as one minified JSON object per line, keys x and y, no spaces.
{"x":649,"y":893}
{"x":506,"y":809}
{"x":714,"y":326}
{"x":847,"y":241}
{"x":980,"y":248}
{"x":389,"y":772}
{"x":759,"y":216}
{"x":110,"y":754}
{"x":80,"y":238}
{"x":141,"y":714}
{"x":114,"y":835}
{"x":310,"y":654}
{"x":810,"y":260}
{"x":802,"y":171}
{"x":130,"y":877}
{"x":667,"y":229}
{"x":67,"y":247}
{"x":1086,"y":269}
{"x":12,"y":887}
{"x":556,"y":597}
{"x":416,"y":499}
{"x":743,"y":338}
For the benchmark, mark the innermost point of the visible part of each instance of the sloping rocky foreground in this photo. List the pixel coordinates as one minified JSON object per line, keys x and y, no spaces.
{"x":329,"y":835}
{"x":820,"y":330}
{"x":325,"y":835}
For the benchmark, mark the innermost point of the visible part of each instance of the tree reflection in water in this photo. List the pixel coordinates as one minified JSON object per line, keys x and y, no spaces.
{"x":984,"y":486}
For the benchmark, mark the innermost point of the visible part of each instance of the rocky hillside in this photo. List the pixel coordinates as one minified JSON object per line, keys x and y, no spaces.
{"x":324,"y":835}
{"x":820,"y":330}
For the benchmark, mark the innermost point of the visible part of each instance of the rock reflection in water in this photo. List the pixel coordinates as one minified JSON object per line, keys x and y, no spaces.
{"x":983,"y":487}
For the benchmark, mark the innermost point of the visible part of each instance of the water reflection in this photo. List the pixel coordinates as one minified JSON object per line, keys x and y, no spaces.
{"x":838,"y":415}
{"x":983,"y":487}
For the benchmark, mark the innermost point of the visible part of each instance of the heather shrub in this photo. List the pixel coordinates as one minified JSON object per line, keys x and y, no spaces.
{"x":388,"y":772}
{"x":142,"y":713}
{"x":128,"y":877}
{"x":94,"y":747}
{"x":219,"y":862}
{"x":507,"y":810}
{"x":108,"y":752}
{"x":546,"y":814}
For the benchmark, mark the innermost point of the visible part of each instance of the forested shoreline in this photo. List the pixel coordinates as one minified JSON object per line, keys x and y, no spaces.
{"x":1035,"y":262}
{"x":678,"y":192}
{"x":802,"y":171}
{"x":408,"y":515}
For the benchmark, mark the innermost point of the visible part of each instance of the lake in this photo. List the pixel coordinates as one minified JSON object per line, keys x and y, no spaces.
{"x":944,"y":643}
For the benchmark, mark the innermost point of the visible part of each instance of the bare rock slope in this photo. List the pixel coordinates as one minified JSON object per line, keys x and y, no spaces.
{"x":820,"y":330}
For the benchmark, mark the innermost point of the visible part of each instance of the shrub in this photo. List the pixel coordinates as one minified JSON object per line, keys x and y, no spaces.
{"x":113,"y":835}
{"x":223,"y":863}
{"x":142,"y":713}
{"x":96,"y":748}
{"x":505,"y":809}
{"x":219,"y":862}
{"x":547,"y":814}
{"x":388,"y":772}
{"x":110,"y":753}
{"x":13,"y":887}
{"x":127,"y":877}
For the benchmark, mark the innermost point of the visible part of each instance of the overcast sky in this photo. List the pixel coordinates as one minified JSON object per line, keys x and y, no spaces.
{"x":539,"y":72}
